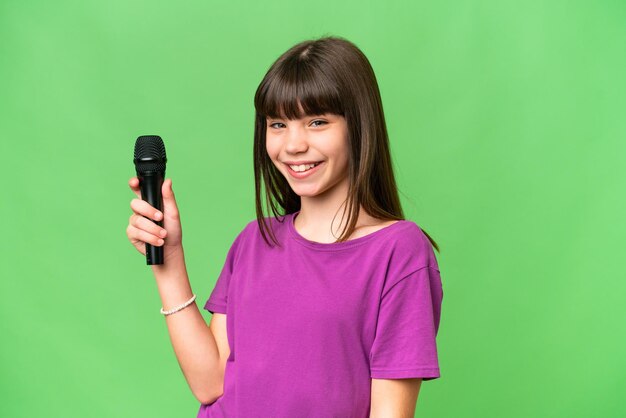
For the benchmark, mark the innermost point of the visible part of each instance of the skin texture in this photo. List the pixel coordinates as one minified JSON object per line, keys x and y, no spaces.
{"x":394,"y":398}
{"x":218,"y":328}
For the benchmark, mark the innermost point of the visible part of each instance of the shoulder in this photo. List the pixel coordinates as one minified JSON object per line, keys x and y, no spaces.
{"x":241,"y":236}
{"x":244,"y":231}
{"x":277,"y":224}
{"x":250,"y":233}
{"x":409,"y":254}
{"x":410,"y":249}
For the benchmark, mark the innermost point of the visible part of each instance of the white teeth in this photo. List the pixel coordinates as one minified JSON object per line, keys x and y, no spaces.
{"x":303,"y":167}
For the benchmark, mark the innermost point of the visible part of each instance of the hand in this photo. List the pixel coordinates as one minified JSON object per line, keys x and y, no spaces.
{"x":141,"y":230}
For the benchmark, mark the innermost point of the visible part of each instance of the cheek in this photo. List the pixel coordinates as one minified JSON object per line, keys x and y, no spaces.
{"x":338,"y":149}
{"x":272,"y":149}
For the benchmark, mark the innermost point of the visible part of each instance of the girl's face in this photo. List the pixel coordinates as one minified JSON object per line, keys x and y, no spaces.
{"x":319,"y":139}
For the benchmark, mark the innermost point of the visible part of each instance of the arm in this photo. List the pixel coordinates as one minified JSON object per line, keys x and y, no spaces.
{"x":394,"y":398}
{"x":194,"y":344}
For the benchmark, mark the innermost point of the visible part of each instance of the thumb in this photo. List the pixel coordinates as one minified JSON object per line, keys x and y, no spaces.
{"x":169,"y":201}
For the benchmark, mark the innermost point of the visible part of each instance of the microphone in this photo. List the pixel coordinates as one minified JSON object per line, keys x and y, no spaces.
{"x":150,"y":162}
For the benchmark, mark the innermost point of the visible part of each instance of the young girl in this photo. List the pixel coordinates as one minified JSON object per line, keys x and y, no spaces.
{"x":330,"y":307}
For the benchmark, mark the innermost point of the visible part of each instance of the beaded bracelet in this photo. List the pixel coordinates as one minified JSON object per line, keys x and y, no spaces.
{"x":178,"y":308}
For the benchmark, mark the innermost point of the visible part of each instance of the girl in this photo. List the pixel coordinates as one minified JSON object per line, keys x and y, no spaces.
{"x":313,"y":315}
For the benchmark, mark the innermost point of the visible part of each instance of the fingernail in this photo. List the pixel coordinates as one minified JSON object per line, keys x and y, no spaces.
{"x":158,"y":215}
{"x":163,"y":232}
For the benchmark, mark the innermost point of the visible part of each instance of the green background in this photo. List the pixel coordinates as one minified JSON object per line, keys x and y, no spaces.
{"x":508,"y":134}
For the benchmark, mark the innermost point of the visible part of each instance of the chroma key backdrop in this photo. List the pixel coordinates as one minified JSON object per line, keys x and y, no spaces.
{"x":507,"y":127}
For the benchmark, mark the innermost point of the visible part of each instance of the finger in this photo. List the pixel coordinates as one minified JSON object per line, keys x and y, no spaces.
{"x":145,"y":209}
{"x":141,"y":249}
{"x":139,"y":246}
{"x":134,"y":186}
{"x":142,"y":223}
{"x":143,"y":236}
{"x":169,"y":201}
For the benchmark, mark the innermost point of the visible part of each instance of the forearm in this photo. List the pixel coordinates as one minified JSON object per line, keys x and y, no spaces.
{"x":394,"y":398}
{"x":191,"y":337}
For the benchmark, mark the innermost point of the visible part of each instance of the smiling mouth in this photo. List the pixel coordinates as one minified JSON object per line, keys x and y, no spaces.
{"x":305,"y":173}
{"x":307,"y":167}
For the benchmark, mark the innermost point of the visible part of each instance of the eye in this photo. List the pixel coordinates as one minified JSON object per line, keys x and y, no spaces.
{"x":320,"y":121}
{"x":275,"y":123}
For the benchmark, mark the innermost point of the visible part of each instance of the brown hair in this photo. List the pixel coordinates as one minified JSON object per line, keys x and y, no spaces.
{"x":327,"y":75}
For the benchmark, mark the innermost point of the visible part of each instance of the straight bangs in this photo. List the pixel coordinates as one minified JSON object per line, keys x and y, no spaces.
{"x":298,"y":89}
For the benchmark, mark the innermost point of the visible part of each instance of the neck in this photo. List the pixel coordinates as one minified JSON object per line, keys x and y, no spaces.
{"x":320,"y":217}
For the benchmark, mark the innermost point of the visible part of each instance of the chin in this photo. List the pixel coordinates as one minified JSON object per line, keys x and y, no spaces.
{"x":305,"y":191}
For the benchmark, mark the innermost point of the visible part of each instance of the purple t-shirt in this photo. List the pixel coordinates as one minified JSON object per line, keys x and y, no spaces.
{"x":309,"y":324}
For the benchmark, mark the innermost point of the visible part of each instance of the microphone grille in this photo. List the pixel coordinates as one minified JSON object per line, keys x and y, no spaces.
{"x":150,"y":154}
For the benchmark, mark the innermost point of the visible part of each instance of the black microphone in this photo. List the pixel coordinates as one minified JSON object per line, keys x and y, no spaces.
{"x":150,"y":162}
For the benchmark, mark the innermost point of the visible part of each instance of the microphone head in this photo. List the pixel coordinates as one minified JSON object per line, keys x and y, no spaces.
{"x":149,"y":154}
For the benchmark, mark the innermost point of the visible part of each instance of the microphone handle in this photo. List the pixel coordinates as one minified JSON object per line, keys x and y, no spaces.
{"x":151,"y":183}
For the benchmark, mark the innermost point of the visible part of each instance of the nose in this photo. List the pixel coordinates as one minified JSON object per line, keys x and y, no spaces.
{"x":296,"y":140}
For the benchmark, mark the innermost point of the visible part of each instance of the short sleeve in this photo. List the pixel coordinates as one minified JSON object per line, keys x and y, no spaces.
{"x":408,"y":320}
{"x":218,"y":300}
